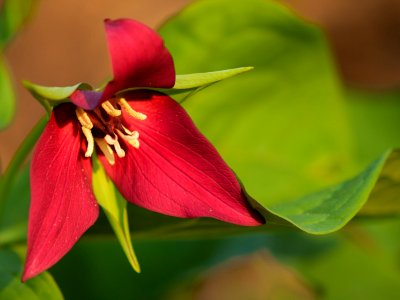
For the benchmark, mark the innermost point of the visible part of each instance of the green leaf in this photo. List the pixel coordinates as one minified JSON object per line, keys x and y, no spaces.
{"x":284,"y":128}
{"x":51,"y":96}
{"x":330,"y":209}
{"x":11,"y":288}
{"x":13,"y":14}
{"x":190,"y":81}
{"x":374,"y":119}
{"x":13,"y":224}
{"x":114,"y":206}
{"x":7,"y":97}
{"x":376,"y":123}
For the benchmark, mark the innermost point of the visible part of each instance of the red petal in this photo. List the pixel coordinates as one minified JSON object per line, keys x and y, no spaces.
{"x":138,"y":55}
{"x":176,"y":171}
{"x":62,"y":203}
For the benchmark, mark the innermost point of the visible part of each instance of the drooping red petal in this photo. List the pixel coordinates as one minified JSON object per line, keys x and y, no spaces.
{"x":138,"y":55}
{"x":62,"y":204}
{"x":176,"y":171}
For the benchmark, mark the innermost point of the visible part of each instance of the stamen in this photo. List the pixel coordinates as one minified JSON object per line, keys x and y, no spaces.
{"x":128,"y":132}
{"x":109,"y":140}
{"x":89,"y":137}
{"x":132,"y":139}
{"x":134,"y":143}
{"x":106,"y":149}
{"x":110,"y":109}
{"x":83,"y":118}
{"x":133,"y":113}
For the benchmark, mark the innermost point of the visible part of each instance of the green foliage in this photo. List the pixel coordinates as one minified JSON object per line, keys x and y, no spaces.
{"x":13,"y":14}
{"x":7,"y":97}
{"x":11,"y":288}
{"x":362,"y":262}
{"x":284,"y":128}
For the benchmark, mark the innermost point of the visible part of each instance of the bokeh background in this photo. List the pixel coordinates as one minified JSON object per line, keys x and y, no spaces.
{"x":64,"y":43}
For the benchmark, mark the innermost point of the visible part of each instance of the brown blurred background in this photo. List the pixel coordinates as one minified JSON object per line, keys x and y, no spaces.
{"x":64,"y":43}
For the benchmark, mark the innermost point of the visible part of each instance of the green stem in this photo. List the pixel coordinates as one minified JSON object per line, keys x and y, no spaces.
{"x":7,"y":179}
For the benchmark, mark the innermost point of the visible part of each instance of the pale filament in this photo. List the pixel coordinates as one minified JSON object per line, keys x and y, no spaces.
{"x":110,"y":109}
{"x":89,"y":137}
{"x":106,"y":149}
{"x":83,"y":118}
{"x":114,"y":142}
{"x":133,"y":113}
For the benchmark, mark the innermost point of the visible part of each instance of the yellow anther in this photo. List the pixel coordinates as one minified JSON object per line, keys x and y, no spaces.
{"x":106,"y":149}
{"x":89,"y":137}
{"x":109,"y":140}
{"x":133,"y":113}
{"x":134,"y":143}
{"x":110,"y":109}
{"x":83,"y":118}
{"x":114,"y":142}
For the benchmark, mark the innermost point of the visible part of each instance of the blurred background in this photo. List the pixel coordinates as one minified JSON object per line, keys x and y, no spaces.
{"x":64,"y":43}
{"x":296,"y":93}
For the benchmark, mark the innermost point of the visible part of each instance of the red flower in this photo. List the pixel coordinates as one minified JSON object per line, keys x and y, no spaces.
{"x":146,"y":142}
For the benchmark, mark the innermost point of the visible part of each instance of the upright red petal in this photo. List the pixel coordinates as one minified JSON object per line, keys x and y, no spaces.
{"x":176,"y":171}
{"x":138,"y":55}
{"x":62,"y":204}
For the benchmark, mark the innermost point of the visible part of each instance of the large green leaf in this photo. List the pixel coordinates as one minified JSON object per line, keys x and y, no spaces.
{"x":284,"y":128}
{"x":13,"y":14}
{"x":7,"y":97}
{"x":11,"y":288}
{"x":375,"y":121}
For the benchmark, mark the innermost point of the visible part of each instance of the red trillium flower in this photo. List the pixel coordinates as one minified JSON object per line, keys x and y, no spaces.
{"x":148,"y":146}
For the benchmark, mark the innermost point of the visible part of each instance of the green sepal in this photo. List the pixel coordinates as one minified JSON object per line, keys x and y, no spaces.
{"x":49,"y":97}
{"x":189,"y":84}
{"x":196,"y":80}
{"x":114,"y":206}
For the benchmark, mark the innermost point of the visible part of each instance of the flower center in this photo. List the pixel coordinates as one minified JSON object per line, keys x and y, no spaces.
{"x":104,"y":125}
